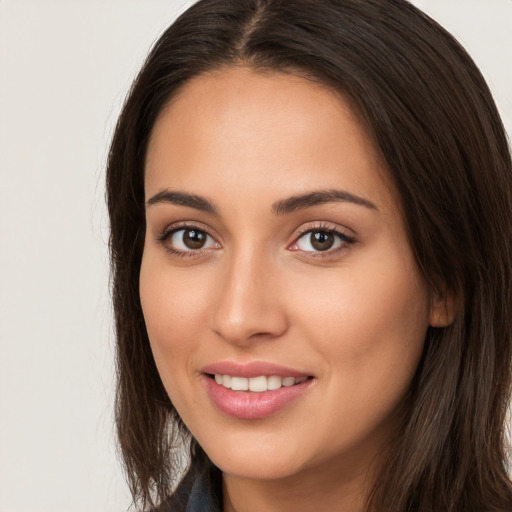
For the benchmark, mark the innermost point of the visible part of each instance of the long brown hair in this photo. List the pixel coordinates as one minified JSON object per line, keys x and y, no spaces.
{"x":430,"y":114}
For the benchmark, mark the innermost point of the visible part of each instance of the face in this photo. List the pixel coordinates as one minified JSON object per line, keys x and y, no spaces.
{"x":283,"y":305}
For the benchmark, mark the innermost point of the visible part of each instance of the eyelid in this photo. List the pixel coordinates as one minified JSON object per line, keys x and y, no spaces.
{"x":307,"y":227}
{"x":176,"y":226}
{"x":346,"y":236}
{"x":324,"y":226}
{"x":167,"y":233}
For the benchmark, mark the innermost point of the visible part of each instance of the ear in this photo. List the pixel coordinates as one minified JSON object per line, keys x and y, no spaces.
{"x":443,"y":310}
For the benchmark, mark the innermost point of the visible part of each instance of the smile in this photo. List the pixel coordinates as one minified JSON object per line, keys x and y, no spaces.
{"x":257,"y":384}
{"x":251,"y":398}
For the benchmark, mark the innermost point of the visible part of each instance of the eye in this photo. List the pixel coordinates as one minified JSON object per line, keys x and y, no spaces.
{"x":188,"y":240}
{"x":321,"y":240}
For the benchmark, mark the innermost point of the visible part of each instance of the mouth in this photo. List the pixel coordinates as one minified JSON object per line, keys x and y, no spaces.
{"x":258,"y":384}
{"x":257,"y":397}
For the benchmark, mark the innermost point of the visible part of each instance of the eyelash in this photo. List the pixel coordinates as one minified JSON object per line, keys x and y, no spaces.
{"x":164,"y":237}
{"x":345,"y":240}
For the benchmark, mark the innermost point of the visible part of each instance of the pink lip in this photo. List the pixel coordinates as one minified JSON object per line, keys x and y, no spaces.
{"x":247,"y":404}
{"x":252,"y":369}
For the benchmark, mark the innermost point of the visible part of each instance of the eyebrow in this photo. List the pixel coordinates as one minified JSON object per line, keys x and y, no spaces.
{"x":183,"y":199}
{"x":303,"y":201}
{"x":291,"y":204}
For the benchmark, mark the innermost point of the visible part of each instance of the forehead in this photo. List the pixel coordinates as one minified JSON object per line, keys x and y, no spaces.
{"x":251,"y":130}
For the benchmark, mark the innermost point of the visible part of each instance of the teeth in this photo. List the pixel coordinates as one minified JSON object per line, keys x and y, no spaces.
{"x":239,"y":383}
{"x":257,"y":384}
{"x":288,"y":381}
{"x":274,"y":382}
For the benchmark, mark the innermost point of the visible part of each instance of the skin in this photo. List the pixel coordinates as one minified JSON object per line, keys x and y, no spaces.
{"x":353,"y":317}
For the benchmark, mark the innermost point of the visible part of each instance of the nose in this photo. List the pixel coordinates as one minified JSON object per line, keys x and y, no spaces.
{"x":249,"y":302}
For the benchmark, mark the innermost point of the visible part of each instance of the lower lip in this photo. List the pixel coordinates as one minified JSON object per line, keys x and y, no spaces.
{"x":249,"y":405}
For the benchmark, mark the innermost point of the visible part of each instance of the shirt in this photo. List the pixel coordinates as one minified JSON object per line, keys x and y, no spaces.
{"x":199,"y":491}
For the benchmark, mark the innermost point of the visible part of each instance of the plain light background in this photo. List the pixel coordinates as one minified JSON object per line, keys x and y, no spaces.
{"x":65,"y":67}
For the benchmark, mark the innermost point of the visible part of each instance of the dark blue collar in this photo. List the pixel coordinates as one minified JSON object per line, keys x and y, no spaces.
{"x":204,"y":494}
{"x":200,"y":490}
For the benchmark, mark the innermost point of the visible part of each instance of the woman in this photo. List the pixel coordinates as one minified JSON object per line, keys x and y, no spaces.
{"x":310,"y":207}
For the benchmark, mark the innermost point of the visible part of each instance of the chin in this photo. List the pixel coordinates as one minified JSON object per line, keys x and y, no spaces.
{"x":260,"y":470}
{"x":258,"y":463}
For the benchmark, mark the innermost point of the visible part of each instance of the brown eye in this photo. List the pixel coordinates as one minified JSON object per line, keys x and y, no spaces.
{"x":321,"y":240}
{"x":194,"y":239}
{"x":191,"y":239}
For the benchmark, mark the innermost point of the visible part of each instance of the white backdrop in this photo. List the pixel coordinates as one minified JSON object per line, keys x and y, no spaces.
{"x":65,"y":66}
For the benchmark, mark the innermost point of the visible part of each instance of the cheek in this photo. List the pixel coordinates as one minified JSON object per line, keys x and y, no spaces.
{"x":369,"y":322}
{"x":172,"y":311}
{"x":368,"y":330}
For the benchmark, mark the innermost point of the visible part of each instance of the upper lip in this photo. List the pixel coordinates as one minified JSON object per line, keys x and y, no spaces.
{"x":252,"y":369}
